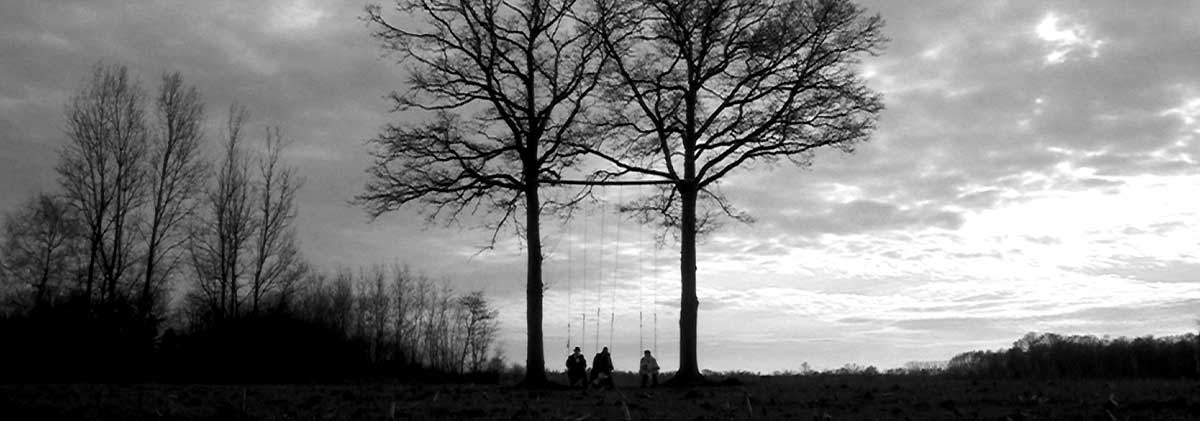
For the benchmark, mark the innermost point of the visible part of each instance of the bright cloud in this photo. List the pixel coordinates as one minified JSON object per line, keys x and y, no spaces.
{"x":295,"y":15}
{"x":1063,"y":39}
{"x":1188,"y":111}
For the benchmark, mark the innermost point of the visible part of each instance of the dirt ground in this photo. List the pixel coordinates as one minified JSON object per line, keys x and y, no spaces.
{"x":806,"y":398}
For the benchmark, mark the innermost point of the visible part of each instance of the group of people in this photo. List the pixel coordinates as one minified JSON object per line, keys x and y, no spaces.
{"x":602,"y":369}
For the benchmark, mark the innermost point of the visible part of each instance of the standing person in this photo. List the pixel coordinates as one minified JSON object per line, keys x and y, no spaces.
{"x":577,"y":369}
{"x":602,"y":365}
{"x":648,"y":369}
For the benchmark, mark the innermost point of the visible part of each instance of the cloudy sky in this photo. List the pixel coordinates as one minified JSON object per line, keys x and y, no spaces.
{"x":1035,"y":170}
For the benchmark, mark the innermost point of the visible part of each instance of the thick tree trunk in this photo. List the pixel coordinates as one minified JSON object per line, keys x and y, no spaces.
{"x":689,"y":367}
{"x":689,"y":188}
{"x":535,"y":361}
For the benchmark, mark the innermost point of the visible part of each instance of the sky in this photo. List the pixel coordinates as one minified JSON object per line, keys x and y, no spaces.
{"x":1036,"y":169}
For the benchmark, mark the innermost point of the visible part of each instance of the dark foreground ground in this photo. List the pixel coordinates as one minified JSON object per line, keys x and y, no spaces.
{"x":806,"y":398}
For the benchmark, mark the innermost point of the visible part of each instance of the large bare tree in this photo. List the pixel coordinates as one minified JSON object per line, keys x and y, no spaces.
{"x":177,"y":172}
{"x":702,"y":88}
{"x":500,"y":85}
{"x":103,"y":174}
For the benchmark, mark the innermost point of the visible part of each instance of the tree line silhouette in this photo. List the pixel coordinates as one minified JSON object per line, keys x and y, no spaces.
{"x":154,"y":262}
{"x":1049,"y":355}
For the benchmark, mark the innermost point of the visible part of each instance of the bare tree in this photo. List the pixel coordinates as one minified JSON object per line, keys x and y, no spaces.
{"x":375,"y":308}
{"x":177,"y":173}
{"x":220,"y":242}
{"x":401,"y":291}
{"x":481,"y":329}
{"x":505,"y":83}
{"x":102,"y":171}
{"x":277,"y":261}
{"x":406,"y":318}
{"x":342,"y":300}
{"x":422,"y":297}
{"x":702,"y":88}
{"x":39,"y":251}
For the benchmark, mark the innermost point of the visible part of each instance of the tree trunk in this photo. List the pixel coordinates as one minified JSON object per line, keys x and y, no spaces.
{"x":91,"y":272}
{"x":535,"y":361}
{"x":689,"y":189}
{"x":689,"y":367}
{"x":144,"y":303}
{"x":44,"y":282}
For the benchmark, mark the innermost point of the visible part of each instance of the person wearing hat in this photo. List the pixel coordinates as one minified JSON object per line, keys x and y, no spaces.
{"x":577,"y":369}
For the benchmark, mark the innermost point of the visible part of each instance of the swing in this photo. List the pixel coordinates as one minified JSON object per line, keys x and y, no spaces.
{"x":583,"y":304}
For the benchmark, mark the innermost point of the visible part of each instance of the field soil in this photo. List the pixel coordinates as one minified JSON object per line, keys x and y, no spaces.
{"x":747,"y":397}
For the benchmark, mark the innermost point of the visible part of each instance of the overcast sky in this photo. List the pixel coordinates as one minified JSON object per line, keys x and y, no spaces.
{"x":1035,"y":170}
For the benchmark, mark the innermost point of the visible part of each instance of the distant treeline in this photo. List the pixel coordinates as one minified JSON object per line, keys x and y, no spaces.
{"x":154,"y":261}
{"x":1049,"y":355}
{"x":375,"y":324}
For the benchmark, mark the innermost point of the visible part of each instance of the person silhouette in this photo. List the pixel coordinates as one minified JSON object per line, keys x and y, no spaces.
{"x":602,"y":368}
{"x":577,"y":369}
{"x":648,"y":369}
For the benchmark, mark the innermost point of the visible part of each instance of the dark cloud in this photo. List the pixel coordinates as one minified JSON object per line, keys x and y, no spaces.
{"x":1174,"y":313}
{"x":950,"y":324}
{"x":1149,"y":269}
{"x":1044,"y":240}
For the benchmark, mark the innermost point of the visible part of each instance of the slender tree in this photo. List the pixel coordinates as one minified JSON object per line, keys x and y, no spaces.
{"x":502,"y":85}
{"x":699,"y":89}
{"x":39,"y":251}
{"x":220,"y":242}
{"x":277,"y":262}
{"x":375,"y":304}
{"x":480,"y":330}
{"x":102,"y":171}
{"x":401,"y":289}
{"x":177,"y":173}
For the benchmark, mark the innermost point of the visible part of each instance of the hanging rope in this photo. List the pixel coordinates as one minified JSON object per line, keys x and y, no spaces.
{"x":583,"y":307}
{"x":641,"y":235}
{"x":654,"y":290}
{"x":612,"y":290}
{"x":600,"y":278}
{"x":570,"y":282}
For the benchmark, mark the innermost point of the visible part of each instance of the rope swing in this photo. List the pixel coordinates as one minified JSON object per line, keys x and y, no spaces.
{"x":612,"y":290}
{"x":641,"y":300}
{"x":600,"y":279}
{"x":570,"y":281}
{"x":583,"y":312}
{"x":600,"y":272}
{"x":654,"y":286}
